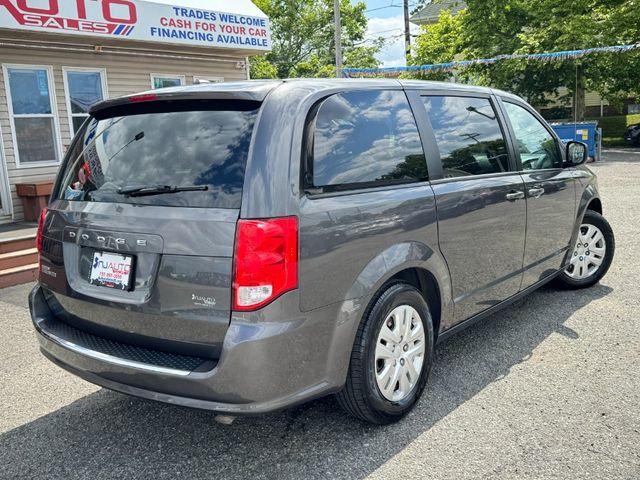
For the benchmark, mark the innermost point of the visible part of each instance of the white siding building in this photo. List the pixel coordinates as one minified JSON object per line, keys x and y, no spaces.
{"x":60,"y":56}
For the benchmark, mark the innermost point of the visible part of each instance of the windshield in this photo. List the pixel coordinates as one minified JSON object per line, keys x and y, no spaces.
{"x":184,"y":145}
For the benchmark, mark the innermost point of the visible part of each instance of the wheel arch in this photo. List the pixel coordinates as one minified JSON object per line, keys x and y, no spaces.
{"x":423,"y":280}
{"x":595,"y":204}
{"x":589,"y":200}
{"x":413,"y":262}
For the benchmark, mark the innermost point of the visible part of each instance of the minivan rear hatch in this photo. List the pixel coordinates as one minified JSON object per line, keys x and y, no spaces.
{"x":138,"y":239}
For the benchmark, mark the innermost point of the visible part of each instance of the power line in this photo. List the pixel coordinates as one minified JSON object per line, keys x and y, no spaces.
{"x":370,"y":40}
{"x":391,"y":5}
{"x":374,"y":35}
{"x":381,"y":8}
{"x":386,"y":31}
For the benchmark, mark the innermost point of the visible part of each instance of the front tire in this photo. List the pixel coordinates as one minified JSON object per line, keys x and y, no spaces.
{"x":592,"y":254}
{"x":391,"y":357}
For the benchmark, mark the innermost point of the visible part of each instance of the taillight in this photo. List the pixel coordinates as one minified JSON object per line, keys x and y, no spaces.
{"x":266,"y":261}
{"x":144,"y":97}
{"x":43,"y":214}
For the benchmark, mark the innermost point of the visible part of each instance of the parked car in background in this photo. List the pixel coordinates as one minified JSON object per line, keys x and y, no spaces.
{"x":245,"y":247}
{"x":633,"y":134}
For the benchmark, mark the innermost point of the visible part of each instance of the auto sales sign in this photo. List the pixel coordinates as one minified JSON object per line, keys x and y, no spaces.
{"x":139,"y":20}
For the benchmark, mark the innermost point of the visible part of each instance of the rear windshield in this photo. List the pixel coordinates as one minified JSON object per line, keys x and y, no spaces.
{"x":177,"y":144}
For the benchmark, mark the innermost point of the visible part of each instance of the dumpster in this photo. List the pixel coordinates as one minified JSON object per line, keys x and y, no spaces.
{"x":586,"y":132}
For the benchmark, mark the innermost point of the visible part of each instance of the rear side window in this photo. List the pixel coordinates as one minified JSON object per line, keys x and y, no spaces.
{"x":366,"y":138}
{"x":181,"y":145}
{"x":468,"y":135}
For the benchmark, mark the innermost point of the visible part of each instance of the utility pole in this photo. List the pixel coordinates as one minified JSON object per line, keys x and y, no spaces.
{"x":407,"y":32}
{"x":338,"y":37}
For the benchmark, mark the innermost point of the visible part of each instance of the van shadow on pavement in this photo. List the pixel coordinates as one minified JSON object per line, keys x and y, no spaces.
{"x":106,"y":434}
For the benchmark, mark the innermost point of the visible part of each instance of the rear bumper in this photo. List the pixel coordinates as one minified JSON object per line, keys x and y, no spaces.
{"x":265,"y":365}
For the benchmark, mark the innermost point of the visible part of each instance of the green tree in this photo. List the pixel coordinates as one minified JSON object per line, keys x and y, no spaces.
{"x":261,"y":68}
{"x":531,"y":26}
{"x":313,"y":67}
{"x":488,"y":28}
{"x":439,"y":43}
{"x":417,"y":6}
{"x":302,"y":34}
{"x":363,"y":56}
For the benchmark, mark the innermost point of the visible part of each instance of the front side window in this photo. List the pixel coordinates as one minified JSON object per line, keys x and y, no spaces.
{"x":203,"y":147}
{"x":32,"y":115}
{"x":538,"y":149}
{"x":165,"y":81}
{"x":468,"y":135}
{"x":366,"y":138}
{"x":84,"y":88}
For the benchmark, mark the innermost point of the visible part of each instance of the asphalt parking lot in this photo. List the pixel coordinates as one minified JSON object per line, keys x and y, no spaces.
{"x":547,"y":388}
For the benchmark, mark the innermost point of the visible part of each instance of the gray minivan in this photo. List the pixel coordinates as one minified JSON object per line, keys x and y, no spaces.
{"x":249,"y":246}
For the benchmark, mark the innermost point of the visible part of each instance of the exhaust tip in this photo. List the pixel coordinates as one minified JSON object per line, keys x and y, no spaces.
{"x":224,"y":419}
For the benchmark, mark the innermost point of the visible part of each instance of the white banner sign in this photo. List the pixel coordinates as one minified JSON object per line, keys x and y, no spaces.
{"x":138,"y":20}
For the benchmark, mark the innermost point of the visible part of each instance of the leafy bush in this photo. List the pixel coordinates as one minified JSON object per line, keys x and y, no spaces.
{"x":557,"y":113}
{"x":614,"y":142}
{"x":616,"y":126}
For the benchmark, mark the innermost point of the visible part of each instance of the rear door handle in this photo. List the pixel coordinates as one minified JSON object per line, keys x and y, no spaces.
{"x":536,"y":192}
{"x":515,"y":195}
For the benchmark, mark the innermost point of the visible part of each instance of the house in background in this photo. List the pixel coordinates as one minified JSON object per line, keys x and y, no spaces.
{"x":60,"y":57}
{"x":431,"y":11}
{"x":561,"y":106}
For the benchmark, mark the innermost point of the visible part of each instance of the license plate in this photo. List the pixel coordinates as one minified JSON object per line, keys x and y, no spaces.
{"x":111,"y":270}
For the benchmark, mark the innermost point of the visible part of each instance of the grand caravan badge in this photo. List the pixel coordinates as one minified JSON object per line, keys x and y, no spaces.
{"x":202,"y":301}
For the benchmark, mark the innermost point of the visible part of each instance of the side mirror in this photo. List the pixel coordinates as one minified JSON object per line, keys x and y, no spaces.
{"x":576,"y":153}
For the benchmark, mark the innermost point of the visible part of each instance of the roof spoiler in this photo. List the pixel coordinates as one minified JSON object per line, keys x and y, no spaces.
{"x":176,"y":95}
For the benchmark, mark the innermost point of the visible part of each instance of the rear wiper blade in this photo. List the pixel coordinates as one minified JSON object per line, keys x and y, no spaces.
{"x":160,"y":189}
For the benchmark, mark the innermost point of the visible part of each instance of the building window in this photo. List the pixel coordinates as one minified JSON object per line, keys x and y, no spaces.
{"x":83,"y":89}
{"x":34,"y":120}
{"x":164,"y":81}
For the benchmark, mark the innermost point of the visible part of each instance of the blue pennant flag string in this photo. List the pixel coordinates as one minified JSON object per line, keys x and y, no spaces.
{"x":450,"y":66}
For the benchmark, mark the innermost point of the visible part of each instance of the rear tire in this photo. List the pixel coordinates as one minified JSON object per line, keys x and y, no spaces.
{"x":595,"y":244}
{"x":393,"y":342}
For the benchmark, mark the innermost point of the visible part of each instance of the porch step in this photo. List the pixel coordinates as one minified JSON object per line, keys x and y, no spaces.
{"x":17,"y":275}
{"x":18,"y":258}
{"x":10,"y":244}
{"x":18,"y":254}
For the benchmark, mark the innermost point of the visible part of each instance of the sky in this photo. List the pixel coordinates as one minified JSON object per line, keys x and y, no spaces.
{"x":386,"y":20}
